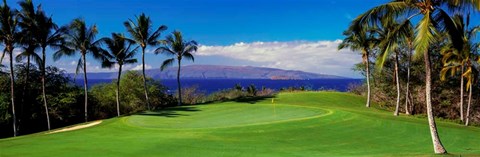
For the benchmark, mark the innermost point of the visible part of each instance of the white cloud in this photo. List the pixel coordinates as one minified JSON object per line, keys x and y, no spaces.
{"x":139,"y":67}
{"x":6,"y":58}
{"x":73,"y":63}
{"x":318,"y":57}
{"x":150,"y":50}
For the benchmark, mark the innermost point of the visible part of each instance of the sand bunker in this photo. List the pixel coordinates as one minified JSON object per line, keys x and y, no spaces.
{"x":76,"y":127}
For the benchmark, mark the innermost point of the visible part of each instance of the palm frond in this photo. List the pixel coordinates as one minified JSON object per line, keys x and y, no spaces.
{"x":167,"y":63}
{"x":424,"y":35}
{"x":188,"y":56}
{"x":152,"y":40}
{"x":165,"y":50}
{"x":130,"y":61}
{"x":64,"y":51}
{"x":108,"y":64}
{"x":453,"y":26}
{"x":79,"y":66}
{"x":388,"y":12}
{"x":37,"y":59}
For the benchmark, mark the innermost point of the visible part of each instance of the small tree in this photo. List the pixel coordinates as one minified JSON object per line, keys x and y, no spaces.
{"x":252,"y":90}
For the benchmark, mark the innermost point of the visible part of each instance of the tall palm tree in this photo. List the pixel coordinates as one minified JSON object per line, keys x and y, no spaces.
{"x":9,"y":35}
{"x":81,"y":39}
{"x":47,"y":34}
{"x":432,"y":17}
{"x":141,"y":31}
{"x":407,"y":88}
{"x":471,"y":74}
{"x":43,"y":32}
{"x":460,"y":53}
{"x":27,"y":24}
{"x":393,"y":37}
{"x":359,"y":40}
{"x":119,"y":52}
{"x":175,"y":46}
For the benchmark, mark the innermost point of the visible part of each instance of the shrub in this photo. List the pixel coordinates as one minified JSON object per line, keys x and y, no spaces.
{"x":132,"y":98}
{"x":192,"y":95}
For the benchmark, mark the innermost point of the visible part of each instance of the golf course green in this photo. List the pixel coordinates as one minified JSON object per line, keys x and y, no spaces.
{"x":292,"y":124}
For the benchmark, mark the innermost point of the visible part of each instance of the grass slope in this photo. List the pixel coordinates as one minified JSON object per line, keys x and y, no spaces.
{"x":300,"y":124}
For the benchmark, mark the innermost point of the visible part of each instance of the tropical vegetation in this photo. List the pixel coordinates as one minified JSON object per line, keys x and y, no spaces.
{"x":427,"y":48}
{"x":296,"y":124}
{"x":434,"y":28}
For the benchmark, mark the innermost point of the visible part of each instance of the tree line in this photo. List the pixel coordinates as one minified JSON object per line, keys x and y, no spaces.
{"x":396,"y":36}
{"x":32,"y":31}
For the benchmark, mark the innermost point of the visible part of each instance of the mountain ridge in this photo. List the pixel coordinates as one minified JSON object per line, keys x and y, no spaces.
{"x":222,"y":72}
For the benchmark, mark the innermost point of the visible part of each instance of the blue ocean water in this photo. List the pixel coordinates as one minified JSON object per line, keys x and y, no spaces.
{"x":212,"y":85}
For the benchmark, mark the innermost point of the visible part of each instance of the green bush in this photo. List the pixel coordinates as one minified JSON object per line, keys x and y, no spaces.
{"x":132,"y":98}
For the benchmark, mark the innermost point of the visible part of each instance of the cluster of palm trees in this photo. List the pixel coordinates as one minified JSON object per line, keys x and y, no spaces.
{"x":32,"y":30}
{"x":413,"y":27}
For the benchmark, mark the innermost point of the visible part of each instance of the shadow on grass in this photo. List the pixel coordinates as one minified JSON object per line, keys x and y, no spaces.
{"x":252,"y":100}
{"x":171,"y":112}
{"x":177,"y":111}
{"x":246,"y":99}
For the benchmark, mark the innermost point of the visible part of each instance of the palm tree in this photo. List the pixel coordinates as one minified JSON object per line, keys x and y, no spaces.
{"x":460,"y":53}
{"x":27,"y":24}
{"x":393,"y":38}
{"x":81,"y":38}
{"x":120,"y":52}
{"x":9,"y":35}
{"x":175,"y":46}
{"x":454,"y":61}
{"x":47,"y":34}
{"x":359,"y":40}
{"x":425,"y":32}
{"x":43,"y":32}
{"x":141,"y":32}
{"x":409,"y":62}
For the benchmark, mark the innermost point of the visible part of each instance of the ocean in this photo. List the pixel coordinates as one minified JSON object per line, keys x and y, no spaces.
{"x":213,"y":85}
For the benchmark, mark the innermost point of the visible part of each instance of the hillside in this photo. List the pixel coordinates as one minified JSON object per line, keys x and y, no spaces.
{"x":296,"y":124}
{"x":222,"y":72}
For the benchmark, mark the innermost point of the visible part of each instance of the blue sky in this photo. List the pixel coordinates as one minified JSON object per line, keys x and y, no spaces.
{"x":287,"y":34}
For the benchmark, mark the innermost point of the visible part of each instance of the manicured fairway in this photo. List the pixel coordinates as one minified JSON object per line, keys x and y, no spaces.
{"x":297,"y":124}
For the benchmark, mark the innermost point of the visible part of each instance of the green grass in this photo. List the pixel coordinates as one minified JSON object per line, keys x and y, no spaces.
{"x":299,"y":124}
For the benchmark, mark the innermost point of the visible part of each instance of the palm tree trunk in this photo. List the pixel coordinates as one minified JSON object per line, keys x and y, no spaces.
{"x":398,"y":85}
{"x":118,"y":90}
{"x":467,"y":118}
{"x":367,"y":68}
{"x":12,"y":93}
{"x":407,"y":94}
{"x":25,"y":84}
{"x":412,"y":105}
{"x":437,"y":144}
{"x":144,"y":79}
{"x":178,"y":83}
{"x":3,"y":55}
{"x":44,"y":96}
{"x":461,"y":95}
{"x":85,"y":83}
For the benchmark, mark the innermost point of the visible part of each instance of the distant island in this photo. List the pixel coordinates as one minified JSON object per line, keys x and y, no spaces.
{"x":223,"y":72}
